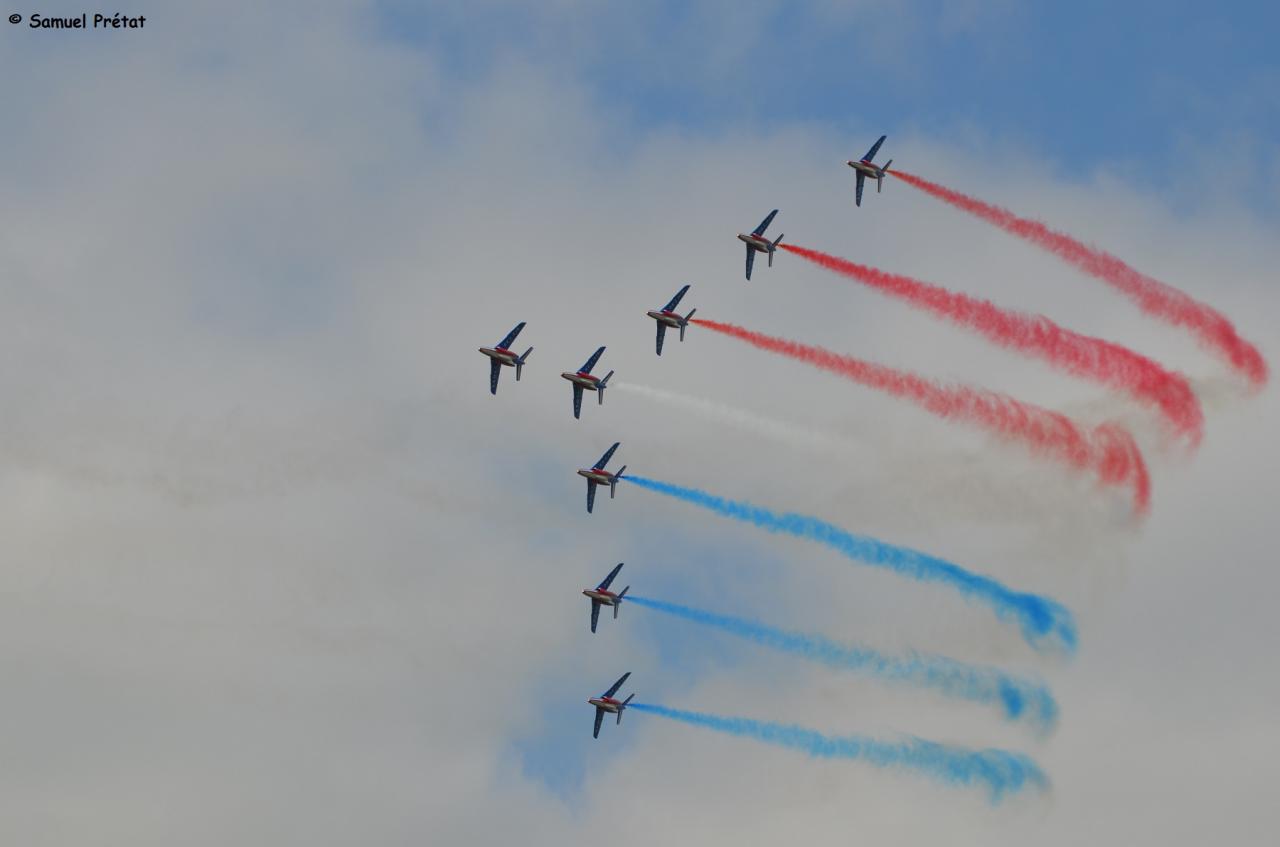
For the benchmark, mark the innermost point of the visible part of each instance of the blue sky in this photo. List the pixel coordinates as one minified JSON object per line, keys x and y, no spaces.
{"x":1141,"y":86}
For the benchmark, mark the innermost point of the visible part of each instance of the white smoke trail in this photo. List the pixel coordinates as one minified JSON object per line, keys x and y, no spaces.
{"x":786,"y":432}
{"x":925,"y":478}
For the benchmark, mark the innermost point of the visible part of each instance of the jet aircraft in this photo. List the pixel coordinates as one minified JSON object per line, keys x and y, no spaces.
{"x":602,"y":596}
{"x":606,"y":703}
{"x":667,"y":317}
{"x":583,"y":378}
{"x":499,"y":355}
{"x":863,"y":168}
{"x":756,"y":241}
{"x":597,"y":475}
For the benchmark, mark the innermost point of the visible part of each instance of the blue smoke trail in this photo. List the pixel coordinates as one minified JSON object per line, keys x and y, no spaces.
{"x":1018,"y":697}
{"x":1038,"y":616}
{"x":1001,"y":770}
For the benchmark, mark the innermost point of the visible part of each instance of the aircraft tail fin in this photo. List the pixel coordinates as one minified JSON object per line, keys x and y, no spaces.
{"x":604,"y":383}
{"x":520,"y":363}
{"x":613,"y":481}
{"x":618,"y":603}
{"x":776,"y":242}
{"x":880,"y":175}
{"x":685,"y":323}
{"x":623,"y":707}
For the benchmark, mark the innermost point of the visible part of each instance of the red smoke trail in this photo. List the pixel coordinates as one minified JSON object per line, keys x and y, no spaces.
{"x":1152,"y":296}
{"x":1108,"y":450}
{"x":1082,"y":355}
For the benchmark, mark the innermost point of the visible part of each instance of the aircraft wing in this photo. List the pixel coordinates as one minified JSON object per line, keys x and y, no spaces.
{"x":871,"y":154}
{"x":604,"y":460}
{"x":608,"y":579}
{"x":662,"y":333}
{"x":595,"y":614}
{"x":764,"y":224}
{"x":591,"y":363}
{"x":511,"y":336}
{"x":495,"y":368}
{"x":751,"y":259}
{"x":599,"y":720}
{"x":613,"y":689}
{"x":577,"y":400}
{"x":858,"y":192}
{"x":675,"y":301}
{"x":591,"y":494}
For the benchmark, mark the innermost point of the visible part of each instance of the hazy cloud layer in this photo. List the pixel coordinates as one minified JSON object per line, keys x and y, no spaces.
{"x":278,"y":570}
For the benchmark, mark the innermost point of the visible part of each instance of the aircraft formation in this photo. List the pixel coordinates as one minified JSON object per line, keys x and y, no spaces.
{"x":1106,"y":449}
{"x":582,"y":380}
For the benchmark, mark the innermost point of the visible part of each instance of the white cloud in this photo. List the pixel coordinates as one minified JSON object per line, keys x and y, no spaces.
{"x":279,"y":570}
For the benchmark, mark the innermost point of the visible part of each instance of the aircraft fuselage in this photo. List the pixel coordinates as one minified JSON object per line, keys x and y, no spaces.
{"x":757,"y":241}
{"x":671,"y":319}
{"x":501,"y":355}
{"x":599,"y":476}
{"x":586,"y":380}
{"x":867,"y":168}
{"x":608,"y":704}
{"x":601,"y":595}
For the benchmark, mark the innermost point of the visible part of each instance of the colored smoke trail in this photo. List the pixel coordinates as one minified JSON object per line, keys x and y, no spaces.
{"x":1152,"y":296}
{"x":782,"y":431}
{"x":1018,"y":698}
{"x":955,"y":480}
{"x":1038,"y":616}
{"x":1081,"y":355}
{"x":1002,"y":771}
{"x":1109,"y":449}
